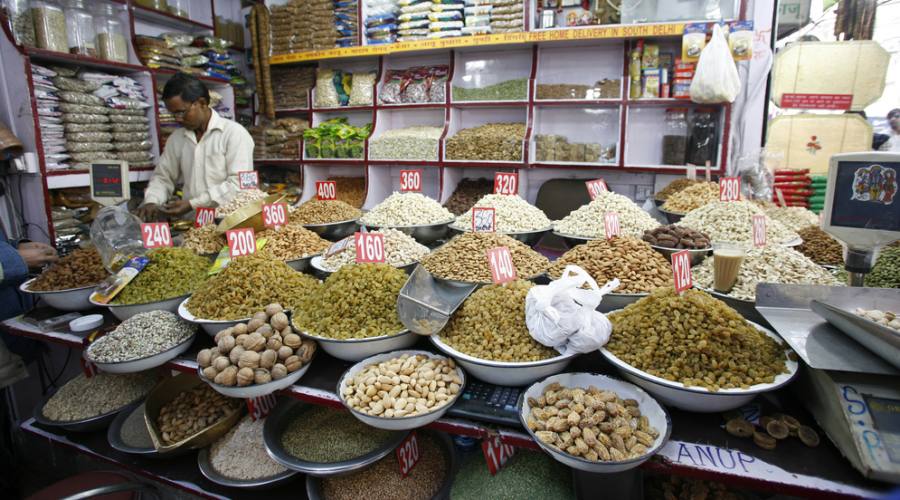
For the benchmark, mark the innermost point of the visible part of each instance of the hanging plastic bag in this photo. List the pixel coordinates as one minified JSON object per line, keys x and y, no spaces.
{"x":716,"y":79}
{"x":564,"y":316}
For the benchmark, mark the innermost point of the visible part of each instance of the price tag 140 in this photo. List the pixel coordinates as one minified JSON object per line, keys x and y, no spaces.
{"x":410,"y":180}
{"x":681,"y":270}
{"x":241,"y":242}
{"x":259,"y":407}
{"x":408,"y":453}
{"x":729,"y":189}
{"x":502,"y":268}
{"x":759,"y":230}
{"x":156,"y":234}
{"x":204,"y":216}
{"x":496,"y":454}
{"x":326,"y":190}
{"x":506,"y":183}
{"x":369,"y":247}
{"x":248,"y":179}
{"x":274,"y":214}
{"x":596,"y":187}
{"x":484,"y":220}
{"x":611,"y":224}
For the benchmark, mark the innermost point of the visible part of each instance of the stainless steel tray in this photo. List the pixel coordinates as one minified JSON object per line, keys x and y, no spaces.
{"x":881,"y":340}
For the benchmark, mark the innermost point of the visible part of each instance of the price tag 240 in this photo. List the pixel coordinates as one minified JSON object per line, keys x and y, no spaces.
{"x":496,"y":454}
{"x":759,"y":230}
{"x":259,"y":407}
{"x":248,"y":179}
{"x":204,"y":216}
{"x":241,"y":242}
{"x":410,"y":180}
{"x":274,"y":214}
{"x":326,"y":190}
{"x":156,"y":234}
{"x":484,"y":220}
{"x":611,"y":224}
{"x":506,"y":183}
{"x":501,"y":264}
{"x":596,"y":187}
{"x":681,"y":270}
{"x":408,"y":453}
{"x":369,"y":247}
{"x":729,"y":189}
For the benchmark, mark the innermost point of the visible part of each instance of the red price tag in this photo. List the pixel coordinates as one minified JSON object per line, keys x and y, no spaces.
{"x":274,"y":214}
{"x":156,"y":234}
{"x":248,"y":179}
{"x":204,"y":216}
{"x":408,"y":453}
{"x":496,"y":454}
{"x":259,"y":407}
{"x":241,"y":242}
{"x":326,"y":190}
{"x":369,"y":247}
{"x":410,"y":180}
{"x":506,"y":183}
{"x":611,"y":224}
{"x":729,"y":189}
{"x":484,"y":220}
{"x":596,"y":187}
{"x":502,"y":268}
{"x":759,"y":230}
{"x":681,"y":270}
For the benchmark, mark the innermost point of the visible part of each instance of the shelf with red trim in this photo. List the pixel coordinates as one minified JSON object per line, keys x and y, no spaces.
{"x":168,"y":73}
{"x":59,"y":179}
{"x":43,"y":55}
{"x":168,"y":19}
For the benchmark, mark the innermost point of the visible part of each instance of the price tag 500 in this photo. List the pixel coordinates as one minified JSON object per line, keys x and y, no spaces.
{"x":408,"y":453}
{"x":501,"y":264}
{"x":369,"y":247}
{"x":156,"y":235}
{"x":241,"y":242}
{"x":274,"y":214}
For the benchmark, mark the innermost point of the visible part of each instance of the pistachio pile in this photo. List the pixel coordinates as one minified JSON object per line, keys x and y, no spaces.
{"x":324,"y":212}
{"x":692,"y":197}
{"x":885,"y":318}
{"x":193,"y":411}
{"x":674,"y":187}
{"x":292,"y":242}
{"x":406,"y":209}
{"x":639,"y":268}
{"x":491,"y":142}
{"x":512,"y":214}
{"x":464,"y":258}
{"x":400,"y":249}
{"x":204,"y":240}
{"x":675,"y":236}
{"x":82,"y":397}
{"x":587,"y":221}
{"x":240,"y":199}
{"x":733,"y":221}
{"x":171,"y":272}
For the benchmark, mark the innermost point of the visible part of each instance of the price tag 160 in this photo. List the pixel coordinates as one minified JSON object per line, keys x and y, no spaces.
{"x":241,"y":242}
{"x":506,"y":183}
{"x":326,"y":190}
{"x":204,"y":216}
{"x":483,"y":220}
{"x":759,"y":230}
{"x":410,"y":180}
{"x":274,"y":214}
{"x":259,"y":407}
{"x":729,"y":189}
{"x":611,"y":224}
{"x":248,"y":179}
{"x":501,"y":264}
{"x":596,"y":187}
{"x":681,"y":270}
{"x":408,"y":453}
{"x":496,"y":454}
{"x":156,"y":234}
{"x":369,"y":247}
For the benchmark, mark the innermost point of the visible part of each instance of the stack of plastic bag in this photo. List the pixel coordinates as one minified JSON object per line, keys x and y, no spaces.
{"x":50,"y":121}
{"x":381,"y":21}
{"x":477,"y":17}
{"x":446,"y":18}
{"x":346,"y":21}
{"x":414,"y":23}
{"x":85,"y":116}
{"x":507,"y":16}
{"x":126,"y":101}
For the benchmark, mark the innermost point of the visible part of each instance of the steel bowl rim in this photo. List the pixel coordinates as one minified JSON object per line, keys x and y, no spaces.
{"x":585,"y":238}
{"x":674,"y":250}
{"x":193,"y":319}
{"x":302,"y":371}
{"x":39,"y":417}
{"x":317,"y":338}
{"x":326,"y":224}
{"x":399,"y":228}
{"x":453,"y":353}
{"x":111,"y":305}
{"x":507,"y":233}
{"x":24,"y":285}
{"x":100,"y":364}
{"x":115,"y":428}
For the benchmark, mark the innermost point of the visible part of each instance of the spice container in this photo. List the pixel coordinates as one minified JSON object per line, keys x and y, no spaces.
{"x":80,"y":26}
{"x":675,"y":137}
{"x":50,"y":30}
{"x":20,"y":22}
{"x":111,"y":42}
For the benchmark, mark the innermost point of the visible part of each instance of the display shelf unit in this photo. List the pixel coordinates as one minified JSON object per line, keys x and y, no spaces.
{"x":79,"y":178}
{"x":201,"y":17}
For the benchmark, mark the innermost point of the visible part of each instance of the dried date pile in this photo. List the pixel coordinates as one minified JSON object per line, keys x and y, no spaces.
{"x":674,"y":236}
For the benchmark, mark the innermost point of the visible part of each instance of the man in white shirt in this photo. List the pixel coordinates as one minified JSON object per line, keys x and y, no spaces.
{"x":893,"y":143}
{"x":205,"y":155}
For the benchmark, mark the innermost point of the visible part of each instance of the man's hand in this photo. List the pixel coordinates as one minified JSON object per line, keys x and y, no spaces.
{"x":148,"y":212}
{"x":176,"y":208}
{"x":36,"y":255}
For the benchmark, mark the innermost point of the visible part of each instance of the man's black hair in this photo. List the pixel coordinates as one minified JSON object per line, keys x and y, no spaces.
{"x":893,"y":112}
{"x":188,"y":87}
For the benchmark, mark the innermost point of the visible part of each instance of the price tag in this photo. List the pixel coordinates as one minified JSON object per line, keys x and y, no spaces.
{"x":326,"y":190}
{"x":780,"y":196}
{"x":729,"y":189}
{"x":408,"y":453}
{"x":708,"y":171}
{"x":204,"y":216}
{"x":369,"y":247}
{"x":759,"y":230}
{"x":691,"y":172}
{"x":484,"y":220}
{"x":410,"y":180}
{"x":611,"y":224}
{"x":496,"y":454}
{"x":248,"y":179}
{"x":338,"y":246}
{"x":502,"y":268}
{"x":506,"y":183}
{"x":274,"y":214}
{"x":241,"y":242}
{"x":596,"y":187}
{"x":681,"y":270}
{"x":156,"y":234}
{"x":259,"y":407}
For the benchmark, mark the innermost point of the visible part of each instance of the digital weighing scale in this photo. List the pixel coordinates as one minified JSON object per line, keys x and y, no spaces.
{"x":110,"y":184}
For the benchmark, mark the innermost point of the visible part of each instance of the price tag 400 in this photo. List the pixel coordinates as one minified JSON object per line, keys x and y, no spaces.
{"x":369,"y":247}
{"x":408,"y":453}
{"x":681,"y":270}
{"x":611,"y":224}
{"x":248,"y":179}
{"x":259,"y":407}
{"x":596,"y":187}
{"x":502,"y":268}
{"x":506,"y":183}
{"x":729,"y":189}
{"x":496,"y":454}
{"x":241,"y":242}
{"x":483,"y":220}
{"x":326,"y":190}
{"x":156,"y":234}
{"x":410,"y":180}
{"x":204,"y":216}
{"x":759,"y":230}
{"x":274,"y":214}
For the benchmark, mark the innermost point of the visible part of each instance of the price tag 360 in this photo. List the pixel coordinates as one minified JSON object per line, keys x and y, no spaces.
{"x":204,"y":216}
{"x":506,"y":183}
{"x":759,"y":230}
{"x":729,"y":189}
{"x":326,"y":190}
{"x":241,"y":242}
{"x":681,"y":270}
{"x":496,"y":454}
{"x":274,"y":214}
{"x":156,"y":234}
{"x":611,"y":224}
{"x":408,"y":453}
{"x":596,"y":187}
{"x":484,"y":220}
{"x":259,"y":407}
{"x":248,"y":179}
{"x":369,"y":247}
{"x":501,"y":264}
{"x":410,"y":180}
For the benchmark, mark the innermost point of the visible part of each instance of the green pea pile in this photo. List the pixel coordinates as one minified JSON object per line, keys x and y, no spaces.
{"x":886,"y":272}
{"x":172,"y":272}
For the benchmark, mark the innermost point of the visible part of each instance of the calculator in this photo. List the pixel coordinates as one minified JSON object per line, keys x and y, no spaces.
{"x":488,"y":402}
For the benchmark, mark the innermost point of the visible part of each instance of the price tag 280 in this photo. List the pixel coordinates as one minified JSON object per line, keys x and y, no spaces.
{"x":259,"y":407}
{"x":369,"y":247}
{"x":326,"y":190}
{"x":681,"y":270}
{"x":241,"y":242}
{"x":408,"y":453}
{"x":506,"y":183}
{"x":596,"y":187}
{"x":501,"y":264}
{"x":729,"y":189}
{"x":204,"y":216}
{"x":496,"y":454}
{"x":274,"y":214}
{"x":410,"y":180}
{"x":156,"y":234}
{"x":759,"y":230}
{"x":248,"y":179}
{"x":483,"y":220}
{"x":611,"y":224}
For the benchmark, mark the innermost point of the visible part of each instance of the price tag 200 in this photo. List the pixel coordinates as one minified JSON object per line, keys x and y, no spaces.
{"x":496,"y":454}
{"x":259,"y":407}
{"x":326,"y":190}
{"x":729,"y":189}
{"x":156,"y":234}
{"x":611,"y":224}
{"x":759,"y":230}
{"x":241,"y":242}
{"x":681,"y":270}
{"x":501,"y":264}
{"x":506,"y":183}
{"x":248,"y":179}
{"x":410,"y":180}
{"x":369,"y":247}
{"x":596,"y":187}
{"x":408,"y":453}
{"x":204,"y":216}
{"x":483,"y":220}
{"x":274,"y":214}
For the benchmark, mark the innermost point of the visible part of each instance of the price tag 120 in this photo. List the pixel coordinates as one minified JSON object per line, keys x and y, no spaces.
{"x":248,"y":179}
{"x":496,"y":454}
{"x":502,"y":268}
{"x":369,"y":247}
{"x":204,"y":216}
{"x":483,"y":220}
{"x":410,"y":180}
{"x":506,"y":183}
{"x":729,"y":189}
{"x":259,"y":407}
{"x":596,"y":187}
{"x":274,"y":214}
{"x":408,"y":453}
{"x":759,"y":230}
{"x":611,"y":224}
{"x":156,"y":234}
{"x":326,"y":190}
{"x":681,"y":270}
{"x":241,"y":242}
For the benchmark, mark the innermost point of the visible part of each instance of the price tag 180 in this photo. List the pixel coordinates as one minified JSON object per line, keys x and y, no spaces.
{"x":496,"y":454}
{"x":483,"y":220}
{"x":410,"y":180}
{"x":259,"y":407}
{"x":204,"y":216}
{"x":506,"y":183}
{"x":759,"y":230}
{"x":274,"y":214}
{"x":326,"y":190}
{"x":501,"y":264}
{"x":408,"y":453}
{"x":611,"y":224}
{"x":248,"y":179}
{"x":729,"y":189}
{"x":596,"y":187}
{"x":369,"y":247}
{"x":156,"y":234}
{"x":241,"y":242}
{"x":681,"y":270}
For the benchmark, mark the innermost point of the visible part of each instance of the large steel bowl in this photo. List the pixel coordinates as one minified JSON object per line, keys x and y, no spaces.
{"x":334,"y":231}
{"x":530,"y":238}
{"x":425,"y":234}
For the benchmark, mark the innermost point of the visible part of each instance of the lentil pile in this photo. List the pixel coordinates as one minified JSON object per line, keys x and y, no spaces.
{"x":794,"y":218}
{"x":241,"y":454}
{"x":769,"y":264}
{"x":140,"y":336}
{"x":674,"y":187}
{"x":675,"y":236}
{"x":292,"y":242}
{"x":406,"y":209}
{"x":240,"y":199}
{"x":587,"y":221}
{"x":491,"y":325}
{"x":193,"y":411}
{"x":528,"y":474}
{"x":694,"y":339}
{"x":204,"y":240}
{"x":134,"y":431}
{"x":820,"y":246}
{"x":82,"y":267}
{"x":400,"y":249}
{"x":491,"y":142}
{"x":246,"y":286}
{"x":338,"y":436}
{"x":324,"y":212}
{"x":640,"y":268}
{"x":733,"y":221}
{"x":692,"y":197}
{"x":83,"y":397}
{"x":512,"y":214}
{"x":467,"y":192}
{"x":464,"y":258}
{"x":358,"y":301}
{"x":171,"y":272}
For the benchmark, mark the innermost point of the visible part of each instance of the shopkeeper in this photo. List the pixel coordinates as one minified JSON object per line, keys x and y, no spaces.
{"x":205,"y":155}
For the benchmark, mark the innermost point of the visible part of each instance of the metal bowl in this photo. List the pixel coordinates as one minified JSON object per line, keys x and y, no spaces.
{"x":613,"y":301}
{"x":322,"y":273}
{"x":697,"y":256}
{"x":672,"y":217}
{"x":649,"y":407}
{"x":658,"y":203}
{"x":504,"y":373}
{"x":72,"y":299}
{"x":334,"y":231}
{"x":285,"y":413}
{"x":210,"y":326}
{"x":145,"y":363}
{"x":746,"y":308}
{"x":396,"y":423}
{"x":795,"y":242}
{"x":254,"y":391}
{"x":425,"y":234}
{"x":84,"y":425}
{"x":250,"y":215}
{"x":114,"y":433}
{"x":530,"y":238}
{"x":357,"y":349}
{"x":301,"y":264}
{"x":209,"y":472}
{"x":123,"y":312}
{"x":572,"y":241}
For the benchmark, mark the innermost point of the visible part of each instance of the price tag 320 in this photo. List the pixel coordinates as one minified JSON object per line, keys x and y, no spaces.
{"x":611,"y":224}
{"x":681,"y":270}
{"x":326,"y":190}
{"x":759,"y":230}
{"x":410,"y":180}
{"x":501,"y":264}
{"x":730,"y":189}
{"x":274,"y":214}
{"x":506,"y":183}
{"x":204,"y":216}
{"x":408,"y":453}
{"x":156,"y":234}
{"x":596,"y":187}
{"x":369,"y":247}
{"x":496,"y":454}
{"x":241,"y":242}
{"x":259,"y":407}
{"x":248,"y":179}
{"x":484,"y":220}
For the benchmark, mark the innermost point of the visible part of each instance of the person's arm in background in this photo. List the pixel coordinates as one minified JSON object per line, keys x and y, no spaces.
{"x":162,"y":182}
{"x":238,"y":156}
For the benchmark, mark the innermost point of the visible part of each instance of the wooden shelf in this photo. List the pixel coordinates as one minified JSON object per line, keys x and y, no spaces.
{"x":51,"y":56}
{"x":168,"y":19}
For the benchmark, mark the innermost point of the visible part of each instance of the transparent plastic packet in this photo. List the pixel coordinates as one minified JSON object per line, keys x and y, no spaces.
{"x":88,"y":147}
{"x":84,"y":118}
{"x":132,"y":146}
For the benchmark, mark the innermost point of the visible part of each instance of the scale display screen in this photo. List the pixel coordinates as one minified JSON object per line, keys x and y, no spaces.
{"x":107,"y":180}
{"x":865,"y":196}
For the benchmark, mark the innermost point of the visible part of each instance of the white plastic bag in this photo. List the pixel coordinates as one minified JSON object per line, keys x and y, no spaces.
{"x":564,"y":316}
{"x":716,"y":79}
